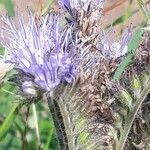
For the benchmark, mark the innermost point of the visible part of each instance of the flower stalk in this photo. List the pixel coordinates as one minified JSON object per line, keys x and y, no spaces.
{"x":58,"y":123}
{"x":131,"y":117}
{"x":61,"y":118}
{"x":36,"y":125}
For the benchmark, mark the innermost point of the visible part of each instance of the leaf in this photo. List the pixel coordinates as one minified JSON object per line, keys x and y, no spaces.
{"x":9,"y":120}
{"x":126,"y":61}
{"x":135,"y":41}
{"x":133,"y":45}
{"x":50,"y":136}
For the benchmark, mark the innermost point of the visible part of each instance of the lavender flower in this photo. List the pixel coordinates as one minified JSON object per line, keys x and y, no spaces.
{"x":115,"y":49}
{"x":40,"y":50}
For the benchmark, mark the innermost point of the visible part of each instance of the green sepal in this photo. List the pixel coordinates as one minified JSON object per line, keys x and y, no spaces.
{"x":126,"y":99}
{"x":83,"y":137}
{"x":136,"y":85}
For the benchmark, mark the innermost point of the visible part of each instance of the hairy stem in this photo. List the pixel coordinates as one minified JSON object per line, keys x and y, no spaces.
{"x":58,"y":123}
{"x":68,"y":126}
{"x":130,"y":118}
{"x":62,"y":121}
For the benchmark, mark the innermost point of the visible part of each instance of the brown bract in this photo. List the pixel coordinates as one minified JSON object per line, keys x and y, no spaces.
{"x":88,"y":25}
{"x":98,"y":91}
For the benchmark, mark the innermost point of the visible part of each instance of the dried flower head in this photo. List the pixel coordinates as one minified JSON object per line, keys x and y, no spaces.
{"x":85,"y":16}
{"x":81,"y":4}
{"x":40,"y":50}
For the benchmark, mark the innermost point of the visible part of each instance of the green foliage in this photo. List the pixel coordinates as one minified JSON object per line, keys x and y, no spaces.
{"x":127,"y":60}
{"x":50,"y":134}
{"x":9,"y":120}
{"x":133,"y":100}
{"x":4,"y":127}
{"x":12,"y":123}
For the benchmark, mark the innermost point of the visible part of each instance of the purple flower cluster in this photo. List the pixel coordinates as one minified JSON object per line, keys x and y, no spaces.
{"x":40,"y":50}
{"x":50,"y":52}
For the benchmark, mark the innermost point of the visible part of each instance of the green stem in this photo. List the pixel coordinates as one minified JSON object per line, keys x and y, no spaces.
{"x":36,"y":125}
{"x":68,"y":125}
{"x":61,"y":118}
{"x":131,"y":117}
{"x":58,"y":123}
